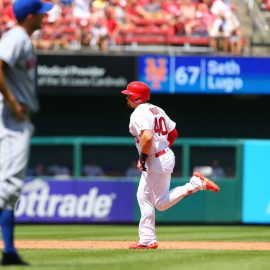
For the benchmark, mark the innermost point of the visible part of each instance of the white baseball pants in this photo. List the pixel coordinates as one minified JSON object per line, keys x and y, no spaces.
{"x":153,"y":192}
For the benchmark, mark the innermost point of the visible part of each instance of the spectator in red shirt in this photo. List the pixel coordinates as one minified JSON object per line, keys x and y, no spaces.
{"x":8,"y":18}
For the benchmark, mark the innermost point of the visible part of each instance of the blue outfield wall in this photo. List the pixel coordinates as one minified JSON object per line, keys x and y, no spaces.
{"x":244,"y":199}
{"x":114,"y":201}
{"x":256,"y":182}
{"x":70,"y":200}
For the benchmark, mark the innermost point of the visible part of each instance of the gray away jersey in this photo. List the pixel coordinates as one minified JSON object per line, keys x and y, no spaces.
{"x":17,"y":51}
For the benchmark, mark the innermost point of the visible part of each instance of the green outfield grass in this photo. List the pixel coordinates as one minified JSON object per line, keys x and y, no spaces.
{"x":145,"y":259}
{"x":129,"y":232}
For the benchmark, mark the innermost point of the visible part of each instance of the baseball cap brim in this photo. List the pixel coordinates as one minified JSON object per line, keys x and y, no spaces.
{"x":45,"y":7}
{"x":22,"y":8}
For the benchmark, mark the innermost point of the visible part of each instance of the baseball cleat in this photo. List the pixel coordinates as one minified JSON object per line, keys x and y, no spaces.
{"x":141,"y":246}
{"x":12,"y":259}
{"x":207,"y":183}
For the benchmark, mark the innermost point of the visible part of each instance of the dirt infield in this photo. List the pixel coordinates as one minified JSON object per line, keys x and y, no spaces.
{"x":48,"y":244}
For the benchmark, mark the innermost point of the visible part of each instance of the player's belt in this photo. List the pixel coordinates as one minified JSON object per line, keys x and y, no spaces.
{"x":162,"y":152}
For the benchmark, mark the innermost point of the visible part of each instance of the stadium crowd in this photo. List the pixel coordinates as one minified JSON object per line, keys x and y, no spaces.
{"x":99,"y":24}
{"x":264,"y":4}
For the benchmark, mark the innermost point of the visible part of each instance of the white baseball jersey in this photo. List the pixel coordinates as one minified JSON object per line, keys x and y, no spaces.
{"x":150,"y":117}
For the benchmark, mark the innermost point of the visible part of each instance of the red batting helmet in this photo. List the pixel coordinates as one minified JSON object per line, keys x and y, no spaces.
{"x":138,"y":92}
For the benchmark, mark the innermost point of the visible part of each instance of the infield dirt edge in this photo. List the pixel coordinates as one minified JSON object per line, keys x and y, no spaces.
{"x":69,"y":244}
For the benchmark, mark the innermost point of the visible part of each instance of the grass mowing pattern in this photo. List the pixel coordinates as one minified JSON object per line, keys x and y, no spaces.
{"x":145,"y":259}
{"x":129,"y":232}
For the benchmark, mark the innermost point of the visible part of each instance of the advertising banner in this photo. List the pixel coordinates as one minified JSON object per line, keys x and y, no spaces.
{"x":71,"y":201}
{"x":84,"y":74}
{"x":205,"y":75}
{"x":256,"y":178}
{"x":155,"y":71}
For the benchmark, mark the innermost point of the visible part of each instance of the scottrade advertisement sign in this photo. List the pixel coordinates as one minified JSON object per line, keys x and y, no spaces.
{"x":205,"y":75}
{"x":76,"y":201}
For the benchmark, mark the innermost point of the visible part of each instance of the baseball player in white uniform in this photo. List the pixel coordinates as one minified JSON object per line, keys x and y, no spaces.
{"x":154,"y":133}
{"x":18,"y":101}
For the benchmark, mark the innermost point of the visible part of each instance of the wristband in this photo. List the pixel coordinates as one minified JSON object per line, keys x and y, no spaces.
{"x":143,"y":157}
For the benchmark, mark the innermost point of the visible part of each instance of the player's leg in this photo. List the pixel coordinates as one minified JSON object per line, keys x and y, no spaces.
{"x":14,"y":154}
{"x":10,"y":190}
{"x":7,"y":228}
{"x":10,"y":254}
{"x":160,"y":170}
{"x":147,"y":235}
{"x":165,"y":198}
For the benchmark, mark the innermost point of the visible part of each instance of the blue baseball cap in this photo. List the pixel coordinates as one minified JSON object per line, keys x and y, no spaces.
{"x":22,"y":8}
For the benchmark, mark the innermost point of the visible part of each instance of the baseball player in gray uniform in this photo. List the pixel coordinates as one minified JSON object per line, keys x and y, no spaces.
{"x":154,"y":133}
{"x":18,"y":101}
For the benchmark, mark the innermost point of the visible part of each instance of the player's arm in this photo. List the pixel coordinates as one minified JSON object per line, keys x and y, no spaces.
{"x":146,"y":141}
{"x":18,"y":109}
{"x":172,"y":136}
{"x":173,"y":133}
